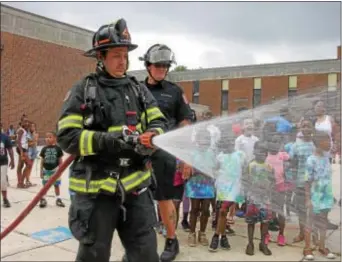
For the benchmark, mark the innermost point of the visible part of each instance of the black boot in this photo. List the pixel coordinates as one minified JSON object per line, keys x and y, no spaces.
{"x":171,"y":250}
{"x":124,"y":258}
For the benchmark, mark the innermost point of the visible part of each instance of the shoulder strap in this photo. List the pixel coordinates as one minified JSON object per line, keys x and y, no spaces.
{"x":136,"y":86}
{"x":90,"y":89}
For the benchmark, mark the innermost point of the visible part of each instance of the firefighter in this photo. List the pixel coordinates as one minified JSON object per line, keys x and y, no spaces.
{"x":108,"y":121}
{"x":174,"y":105}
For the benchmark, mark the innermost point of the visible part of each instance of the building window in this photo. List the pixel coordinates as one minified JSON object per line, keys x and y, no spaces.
{"x":224,"y":95}
{"x":292,"y":90}
{"x":257,"y":92}
{"x":195,"y":92}
{"x":332,"y":82}
{"x":195,"y":98}
{"x":332,"y":94}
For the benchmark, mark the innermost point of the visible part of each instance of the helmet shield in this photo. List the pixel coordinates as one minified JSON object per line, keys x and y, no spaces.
{"x":161,"y":56}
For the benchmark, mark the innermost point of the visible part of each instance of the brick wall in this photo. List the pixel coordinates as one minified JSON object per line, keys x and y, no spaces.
{"x":210,"y":95}
{"x":274,"y":88}
{"x":305,"y":82}
{"x":241,"y":90}
{"x":35,"y":77}
{"x":187,"y":89}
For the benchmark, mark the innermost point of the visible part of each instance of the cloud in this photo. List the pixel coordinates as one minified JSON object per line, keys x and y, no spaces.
{"x":212,"y":34}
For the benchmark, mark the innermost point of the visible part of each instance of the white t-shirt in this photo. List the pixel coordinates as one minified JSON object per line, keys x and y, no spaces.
{"x":246,"y":144}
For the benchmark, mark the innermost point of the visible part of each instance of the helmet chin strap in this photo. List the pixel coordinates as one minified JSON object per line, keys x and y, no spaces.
{"x":157,"y":81}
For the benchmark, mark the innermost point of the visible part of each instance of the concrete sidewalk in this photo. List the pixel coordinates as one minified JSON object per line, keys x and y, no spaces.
{"x":44,"y":235}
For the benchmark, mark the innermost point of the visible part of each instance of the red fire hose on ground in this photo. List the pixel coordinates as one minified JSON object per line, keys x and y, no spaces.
{"x":36,"y":199}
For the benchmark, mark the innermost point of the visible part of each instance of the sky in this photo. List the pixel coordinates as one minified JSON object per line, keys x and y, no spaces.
{"x":213,"y":34}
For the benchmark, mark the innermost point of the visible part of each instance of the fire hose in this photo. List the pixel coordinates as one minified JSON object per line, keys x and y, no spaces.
{"x":36,"y":199}
{"x":129,"y":137}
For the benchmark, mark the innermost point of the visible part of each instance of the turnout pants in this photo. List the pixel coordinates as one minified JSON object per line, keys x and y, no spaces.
{"x":93,"y":220}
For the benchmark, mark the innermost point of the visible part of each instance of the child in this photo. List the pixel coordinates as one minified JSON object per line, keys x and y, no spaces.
{"x":299,"y":153}
{"x":276,"y":160}
{"x":290,"y":172}
{"x":200,"y":188}
{"x":32,"y":137}
{"x":245,"y":143}
{"x":261,"y":184}
{"x":178,"y":183}
{"x":230,"y":165}
{"x":318,"y":193}
{"x":186,"y":208}
{"x":51,"y":158}
{"x":5,"y":150}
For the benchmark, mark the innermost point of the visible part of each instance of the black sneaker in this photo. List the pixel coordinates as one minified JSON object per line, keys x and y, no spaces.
{"x":59,"y":203}
{"x":171,"y":250}
{"x":7,"y":204}
{"x":250,"y":249}
{"x":230,"y":231}
{"x":214,"y":243}
{"x":224,"y":243}
{"x":264,"y":249}
{"x":185,"y":225}
{"x":42,"y":203}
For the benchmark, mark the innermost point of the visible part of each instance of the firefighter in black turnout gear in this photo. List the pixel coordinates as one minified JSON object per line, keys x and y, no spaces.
{"x":174,"y":105}
{"x":108,"y":121}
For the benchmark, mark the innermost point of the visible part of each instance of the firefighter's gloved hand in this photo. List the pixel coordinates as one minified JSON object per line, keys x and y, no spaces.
{"x":146,"y":139}
{"x":110,"y":142}
{"x":143,"y":150}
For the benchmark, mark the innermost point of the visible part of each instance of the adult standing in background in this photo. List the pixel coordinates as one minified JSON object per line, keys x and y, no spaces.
{"x":175,"y":107}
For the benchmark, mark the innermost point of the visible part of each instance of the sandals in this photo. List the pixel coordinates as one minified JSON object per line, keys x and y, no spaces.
{"x":327,"y":253}
{"x":29,"y":184}
{"x":21,"y":185}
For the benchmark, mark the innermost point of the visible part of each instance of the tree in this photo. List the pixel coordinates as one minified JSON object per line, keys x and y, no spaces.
{"x":180,"y":68}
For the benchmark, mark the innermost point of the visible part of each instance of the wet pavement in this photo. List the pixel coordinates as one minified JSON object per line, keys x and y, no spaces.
{"x":44,"y":235}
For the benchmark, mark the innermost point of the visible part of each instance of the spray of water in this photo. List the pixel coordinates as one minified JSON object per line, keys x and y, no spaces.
{"x":213,"y":153}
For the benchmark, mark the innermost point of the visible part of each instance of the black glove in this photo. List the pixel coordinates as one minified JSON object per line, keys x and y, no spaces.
{"x":109,"y":142}
{"x":142,"y":150}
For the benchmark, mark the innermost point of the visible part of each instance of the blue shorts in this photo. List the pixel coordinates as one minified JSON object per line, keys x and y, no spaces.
{"x":32,"y":153}
{"x":47,"y":174}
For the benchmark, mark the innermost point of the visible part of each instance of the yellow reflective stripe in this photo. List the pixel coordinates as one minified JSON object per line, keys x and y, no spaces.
{"x":135,"y":179}
{"x":159,"y":130}
{"x":70,"y":121}
{"x":139,"y":128}
{"x":119,"y":128}
{"x":86,"y":143}
{"x":79,"y":185}
{"x":153,"y":113}
{"x":115,"y":129}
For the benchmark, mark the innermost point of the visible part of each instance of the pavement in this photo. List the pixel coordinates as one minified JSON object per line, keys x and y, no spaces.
{"x":44,"y":234}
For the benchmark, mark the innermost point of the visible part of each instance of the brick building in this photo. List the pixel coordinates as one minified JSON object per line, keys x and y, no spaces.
{"x":228,"y":89}
{"x":41,"y":59}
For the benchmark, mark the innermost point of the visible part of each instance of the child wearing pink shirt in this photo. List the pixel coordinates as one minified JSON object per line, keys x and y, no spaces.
{"x":178,"y":183}
{"x":276,"y":159}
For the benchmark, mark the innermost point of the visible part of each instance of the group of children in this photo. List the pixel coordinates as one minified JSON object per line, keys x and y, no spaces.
{"x":51,"y":157}
{"x":257,"y":176}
